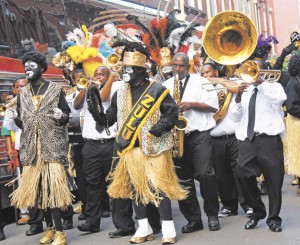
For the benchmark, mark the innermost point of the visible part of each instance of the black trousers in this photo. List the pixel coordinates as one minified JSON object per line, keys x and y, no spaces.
{"x":264,"y":154}
{"x":97,"y":158}
{"x":2,"y":221}
{"x":196,"y":164}
{"x":224,"y":159}
{"x":78,"y":164}
{"x":122,"y":215}
{"x":36,"y":216}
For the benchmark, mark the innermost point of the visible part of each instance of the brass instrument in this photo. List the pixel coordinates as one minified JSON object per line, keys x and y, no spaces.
{"x":82,"y":82}
{"x":181,"y":125}
{"x":113,"y":60}
{"x":250,"y":72}
{"x":11,"y":104}
{"x":229,"y":38}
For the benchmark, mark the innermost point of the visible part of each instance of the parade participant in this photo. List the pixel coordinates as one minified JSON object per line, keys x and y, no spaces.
{"x":195,"y":66}
{"x":258,"y":109}
{"x":198,"y":106}
{"x":293,"y":119}
{"x":76,"y":142}
{"x":97,"y":150}
{"x":146,"y":113}
{"x":10,"y":125}
{"x":164,"y":66}
{"x":224,"y":154}
{"x":42,"y":113}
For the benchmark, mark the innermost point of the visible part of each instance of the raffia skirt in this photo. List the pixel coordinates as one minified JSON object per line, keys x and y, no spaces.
{"x":44,"y":185}
{"x":145,"y":179}
{"x":293,"y":145}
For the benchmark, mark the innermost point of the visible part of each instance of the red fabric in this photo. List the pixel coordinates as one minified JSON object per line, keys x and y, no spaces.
{"x":183,"y":48}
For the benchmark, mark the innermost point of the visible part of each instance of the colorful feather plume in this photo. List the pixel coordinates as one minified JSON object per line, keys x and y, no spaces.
{"x":263,"y":42}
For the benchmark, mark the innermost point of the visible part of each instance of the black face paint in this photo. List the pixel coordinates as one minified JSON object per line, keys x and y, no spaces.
{"x":33,"y":70}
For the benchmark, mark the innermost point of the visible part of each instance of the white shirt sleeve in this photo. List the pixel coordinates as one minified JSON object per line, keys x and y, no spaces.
{"x":9,"y":124}
{"x":210,"y":97}
{"x":235,"y":111}
{"x":274,"y":92}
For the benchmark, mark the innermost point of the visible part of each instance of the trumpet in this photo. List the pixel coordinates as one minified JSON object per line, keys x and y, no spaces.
{"x":113,"y":60}
{"x":83,"y":82}
{"x":11,"y":104}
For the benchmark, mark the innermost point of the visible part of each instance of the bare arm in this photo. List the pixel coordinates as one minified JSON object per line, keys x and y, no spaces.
{"x":79,"y":100}
{"x":199,"y":106}
{"x":105,"y":92}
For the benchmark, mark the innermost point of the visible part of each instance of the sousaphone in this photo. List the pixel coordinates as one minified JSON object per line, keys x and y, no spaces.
{"x":229,"y":38}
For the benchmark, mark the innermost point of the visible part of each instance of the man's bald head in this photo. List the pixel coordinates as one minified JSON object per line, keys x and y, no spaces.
{"x":182,"y":56}
{"x":101,"y":74}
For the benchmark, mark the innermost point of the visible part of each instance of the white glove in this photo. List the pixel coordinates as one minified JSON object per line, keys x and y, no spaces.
{"x":11,"y":113}
{"x":57,"y":113}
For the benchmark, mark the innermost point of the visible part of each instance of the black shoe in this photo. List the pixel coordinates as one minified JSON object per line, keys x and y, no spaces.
{"x":276,"y":228}
{"x":121,"y":233}
{"x":81,"y":217}
{"x":105,"y":214}
{"x":2,"y":235}
{"x":35,"y":229}
{"x":67,"y":224}
{"x":192,"y":226}
{"x":213,"y":223}
{"x":87,"y":227}
{"x":252,"y":223}
{"x":226,"y":213}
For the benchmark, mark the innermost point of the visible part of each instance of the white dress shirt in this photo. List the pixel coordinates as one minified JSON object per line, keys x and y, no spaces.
{"x":226,"y":126}
{"x":11,"y":125}
{"x":89,"y":128}
{"x":268,"y":110}
{"x":194,"y":92}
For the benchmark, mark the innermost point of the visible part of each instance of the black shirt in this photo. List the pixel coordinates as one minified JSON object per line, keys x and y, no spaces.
{"x":168,"y":107}
{"x":293,"y":97}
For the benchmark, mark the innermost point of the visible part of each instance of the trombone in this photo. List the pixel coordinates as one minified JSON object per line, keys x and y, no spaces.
{"x":250,"y":72}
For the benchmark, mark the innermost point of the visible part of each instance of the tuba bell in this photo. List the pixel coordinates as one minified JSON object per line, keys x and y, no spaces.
{"x":229,"y":38}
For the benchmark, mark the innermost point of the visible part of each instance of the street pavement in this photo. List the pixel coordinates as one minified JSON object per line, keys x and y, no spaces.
{"x":232,"y":228}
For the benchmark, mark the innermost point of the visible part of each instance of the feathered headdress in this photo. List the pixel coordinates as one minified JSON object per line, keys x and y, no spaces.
{"x":263,"y":47}
{"x":82,"y":52}
{"x":263,"y":42}
{"x":165,"y":32}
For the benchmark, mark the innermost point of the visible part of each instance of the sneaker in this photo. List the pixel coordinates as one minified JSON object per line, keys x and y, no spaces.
{"x":249,"y":212}
{"x":226,"y":212}
{"x":23,"y":220}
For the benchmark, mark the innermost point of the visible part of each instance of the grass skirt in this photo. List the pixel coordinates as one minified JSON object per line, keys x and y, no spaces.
{"x":44,"y":184}
{"x":145,"y":179}
{"x":293,"y":145}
